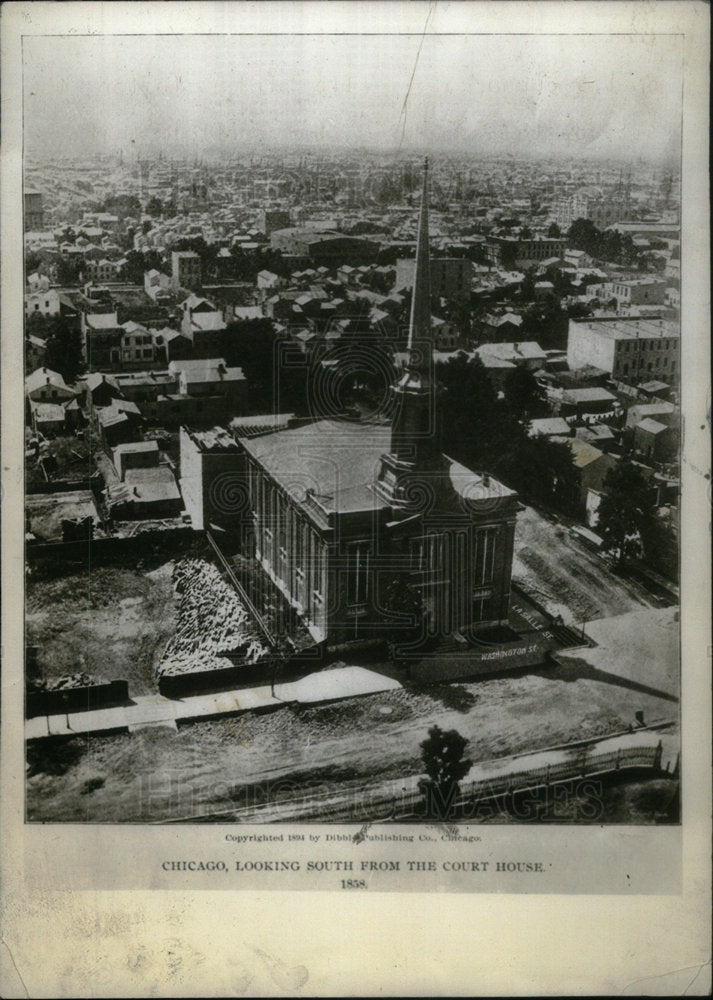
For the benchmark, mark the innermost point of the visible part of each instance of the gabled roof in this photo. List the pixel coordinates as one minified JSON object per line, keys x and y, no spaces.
{"x":583,"y":453}
{"x":120,"y":410}
{"x":45,"y":376}
{"x":131,"y":326}
{"x":102,"y":321}
{"x":96,"y":379}
{"x":197,"y":302}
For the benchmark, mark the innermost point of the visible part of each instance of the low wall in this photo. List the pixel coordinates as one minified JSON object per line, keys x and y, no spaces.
{"x":232,"y":676}
{"x":472,"y":662}
{"x":106,"y":549}
{"x":77,"y":699}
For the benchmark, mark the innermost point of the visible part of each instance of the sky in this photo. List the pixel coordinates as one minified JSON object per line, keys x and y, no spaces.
{"x":615,"y":96}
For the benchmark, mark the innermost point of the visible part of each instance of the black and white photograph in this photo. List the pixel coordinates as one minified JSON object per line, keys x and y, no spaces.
{"x":352,"y":429}
{"x":351,"y":449}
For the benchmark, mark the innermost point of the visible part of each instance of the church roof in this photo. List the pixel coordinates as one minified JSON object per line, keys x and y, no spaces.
{"x":339,"y":463}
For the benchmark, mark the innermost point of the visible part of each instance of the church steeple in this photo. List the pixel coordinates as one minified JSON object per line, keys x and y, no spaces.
{"x":419,"y":333}
{"x":415,"y":445}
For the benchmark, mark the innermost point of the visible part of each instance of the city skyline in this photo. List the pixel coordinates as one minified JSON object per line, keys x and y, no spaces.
{"x":596,"y":97}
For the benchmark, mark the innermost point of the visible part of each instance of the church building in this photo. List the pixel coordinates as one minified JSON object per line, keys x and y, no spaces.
{"x":350,"y":517}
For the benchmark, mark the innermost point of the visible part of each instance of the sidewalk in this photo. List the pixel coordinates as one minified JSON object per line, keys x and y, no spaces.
{"x":155,"y":710}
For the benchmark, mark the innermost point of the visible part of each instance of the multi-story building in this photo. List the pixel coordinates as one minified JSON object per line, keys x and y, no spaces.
{"x":635,"y":292}
{"x":630,"y":348}
{"x":451,"y":277}
{"x":186,"y":270}
{"x":34,"y":212}
{"x":46,"y":303}
{"x":270,"y":219}
{"x":523,"y":251}
{"x":323,"y":247}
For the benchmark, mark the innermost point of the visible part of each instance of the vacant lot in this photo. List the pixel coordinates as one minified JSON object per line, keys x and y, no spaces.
{"x":109,"y":621}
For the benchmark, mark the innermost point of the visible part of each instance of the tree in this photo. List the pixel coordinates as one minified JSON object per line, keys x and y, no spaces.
{"x":137,"y":262}
{"x":467,"y":406}
{"x":548,"y":475}
{"x":252,"y":344}
{"x":554,"y":231}
{"x":33,"y":262}
{"x":524,"y":396}
{"x":659,"y":537}
{"x":64,"y":348}
{"x":154,"y":206}
{"x":68,"y":271}
{"x":626,"y":512}
{"x":508,"y":255}
{"x":442,"y":755}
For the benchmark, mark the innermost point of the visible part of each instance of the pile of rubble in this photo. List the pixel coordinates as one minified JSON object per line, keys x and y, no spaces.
{"x":210,"y":621}
{"x":63,"y":683}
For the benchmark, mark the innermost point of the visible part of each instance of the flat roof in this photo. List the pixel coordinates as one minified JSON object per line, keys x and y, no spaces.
{"x":135,"y":446}
{"x":629,"y":327}
{"x":549,"y":425}
{"x":338,"y":463}
{"x":588,"y":395}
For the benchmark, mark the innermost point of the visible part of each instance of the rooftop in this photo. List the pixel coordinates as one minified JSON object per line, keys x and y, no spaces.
{"x":337,"y":464}
{"x":583,"y":453}
{"x":44,"y":376}
{"x":135,"y":446}
{"x":628,"y":327}
{"x":206,"y":370}
{"x":588,"y":395}
{"x":549,"y":425}
{"x":652,"y":426}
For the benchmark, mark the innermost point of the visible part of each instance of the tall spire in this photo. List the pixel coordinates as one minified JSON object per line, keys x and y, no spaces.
{"x":419,"y":334}
{"x":415,"y":450}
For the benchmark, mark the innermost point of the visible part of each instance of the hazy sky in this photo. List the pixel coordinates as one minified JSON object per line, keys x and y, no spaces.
{"x":615,"y":95}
